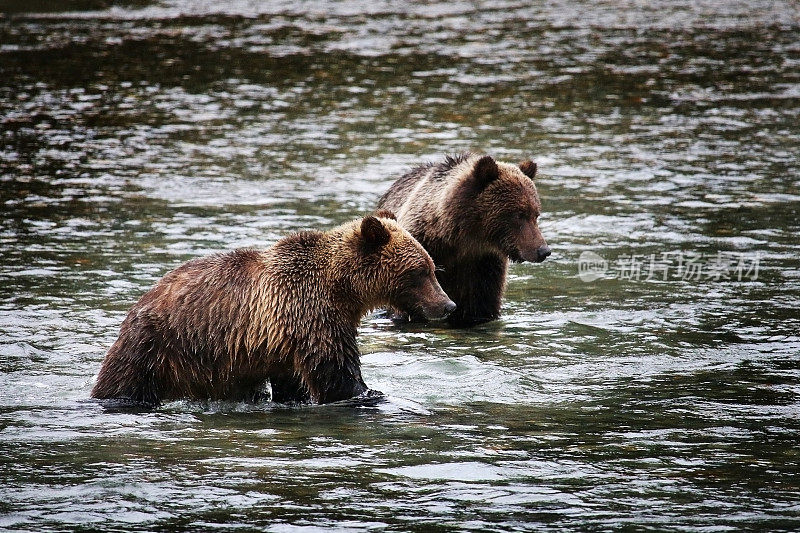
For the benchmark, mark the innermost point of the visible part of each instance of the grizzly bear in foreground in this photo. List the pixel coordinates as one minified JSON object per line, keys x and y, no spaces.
{"x":472,"y":214}
{"x":219,"y":327}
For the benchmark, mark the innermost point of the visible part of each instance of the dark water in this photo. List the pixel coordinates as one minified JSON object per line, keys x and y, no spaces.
{"x":663,"y":395}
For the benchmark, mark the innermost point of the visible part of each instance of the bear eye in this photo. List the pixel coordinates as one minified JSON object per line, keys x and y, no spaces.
{"x":417,"y":275}
{"x":420,"y":273}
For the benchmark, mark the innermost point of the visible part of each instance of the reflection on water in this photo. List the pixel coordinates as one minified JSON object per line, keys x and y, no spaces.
{"x":136,"y":135}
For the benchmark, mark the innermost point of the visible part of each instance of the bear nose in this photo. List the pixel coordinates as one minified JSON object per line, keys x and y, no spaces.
{"x":449,"y":307}
{"x":542,"y":252}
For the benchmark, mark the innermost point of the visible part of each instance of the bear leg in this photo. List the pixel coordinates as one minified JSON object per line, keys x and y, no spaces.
{"x":336,"y":378}
{"x":476,"y":286}
{"x":289,"y":389}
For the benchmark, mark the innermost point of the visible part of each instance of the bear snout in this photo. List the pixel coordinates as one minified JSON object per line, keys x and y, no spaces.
{"x":533,"y":255}
{"x":542,"y":253}
{"x":435,"y":303}
{"x":441,"y":309}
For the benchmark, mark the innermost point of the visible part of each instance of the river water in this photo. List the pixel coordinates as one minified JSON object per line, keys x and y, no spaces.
{"x":646,"y":376}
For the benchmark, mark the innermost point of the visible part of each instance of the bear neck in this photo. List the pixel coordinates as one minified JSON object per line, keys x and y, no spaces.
{"x":449,"y":232}
{"x":342,"y":268}
{"x":311,"y":266}
{"x":331,"y":270}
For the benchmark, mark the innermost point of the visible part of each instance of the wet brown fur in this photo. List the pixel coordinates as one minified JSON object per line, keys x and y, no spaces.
{"x":472,"y":214}
{"x":219,"y":327}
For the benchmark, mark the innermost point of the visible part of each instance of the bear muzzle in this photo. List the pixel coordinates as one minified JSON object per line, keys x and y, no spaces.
{"x":439,"y":309}
{"x":532,"y":255}
{"x":435,"y":303}
{"x":530,"y":245}
{"x":449,"y":307}
{"x":542,"y":253}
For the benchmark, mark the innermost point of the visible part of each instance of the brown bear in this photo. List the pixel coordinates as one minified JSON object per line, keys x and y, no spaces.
{"x":472,"y":214}
{"x":219,"y":327}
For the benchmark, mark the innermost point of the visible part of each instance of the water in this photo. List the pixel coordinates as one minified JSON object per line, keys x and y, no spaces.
{"x":142,"y":134}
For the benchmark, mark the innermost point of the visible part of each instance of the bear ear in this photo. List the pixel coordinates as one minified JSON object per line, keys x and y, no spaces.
{"x":485,"y":171}
{"x":528,"y":168}
{"x":385,"y":213}
{"x":373,"y":233}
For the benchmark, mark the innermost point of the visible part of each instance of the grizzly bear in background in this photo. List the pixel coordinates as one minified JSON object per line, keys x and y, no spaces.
{"x":219,"y":327}
{"x":472,"y":214}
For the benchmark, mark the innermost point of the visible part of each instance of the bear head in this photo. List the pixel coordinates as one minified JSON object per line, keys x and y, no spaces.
{"x":395,"y":270}
{"x":505,"y":209}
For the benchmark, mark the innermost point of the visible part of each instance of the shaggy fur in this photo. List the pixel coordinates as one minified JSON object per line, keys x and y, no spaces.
{"x":472,"y":214}
{"x":219,"y":327}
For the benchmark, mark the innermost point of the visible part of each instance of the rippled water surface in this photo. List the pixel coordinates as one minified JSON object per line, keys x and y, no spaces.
{"x":664,"y":394}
